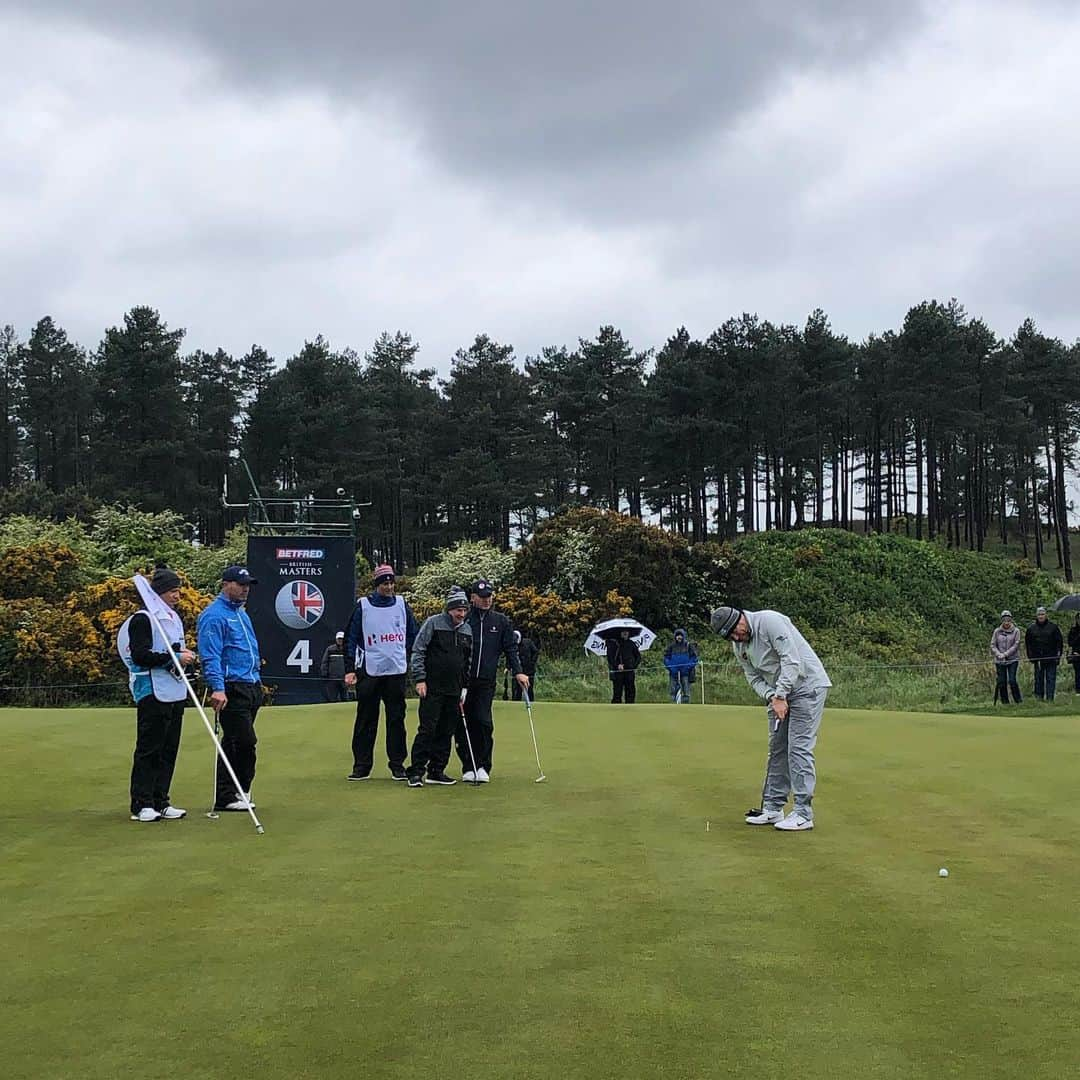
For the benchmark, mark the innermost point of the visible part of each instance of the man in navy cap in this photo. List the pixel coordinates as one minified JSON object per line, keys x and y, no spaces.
{"x":231,"y":666}
{"x":492,"y":637}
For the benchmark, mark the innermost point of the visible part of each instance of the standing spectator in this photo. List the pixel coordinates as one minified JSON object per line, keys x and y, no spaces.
{"x":492,"y":638}
{"x":782,"y":668}
{"x":1005,"y":649}
{"x":623,"y":658}
{"x":332,"y":669}
{"x":160,"y":696}
{"x":528,"y":654}
{"x":1074,"y":651}
{"x":681,"y":660}
{"x":231,"y":666}
{"x":440,"y":668}
{"x":1044,"y":646}
{"x":377,"y":646}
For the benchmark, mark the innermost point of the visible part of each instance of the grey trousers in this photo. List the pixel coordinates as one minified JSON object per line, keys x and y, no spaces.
{"x":791,"y":752}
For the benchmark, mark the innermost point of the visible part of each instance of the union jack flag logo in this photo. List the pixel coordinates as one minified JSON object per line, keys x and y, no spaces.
{"x":299,"y":604}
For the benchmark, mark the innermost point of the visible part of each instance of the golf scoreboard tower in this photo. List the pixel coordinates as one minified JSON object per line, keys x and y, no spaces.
{"x":303,"y":555}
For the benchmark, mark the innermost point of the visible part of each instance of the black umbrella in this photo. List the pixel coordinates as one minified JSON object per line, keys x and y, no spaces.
{"x":1068,"y":603}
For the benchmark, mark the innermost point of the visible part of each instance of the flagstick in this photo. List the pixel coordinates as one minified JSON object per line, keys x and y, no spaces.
{"x":150,"y":598}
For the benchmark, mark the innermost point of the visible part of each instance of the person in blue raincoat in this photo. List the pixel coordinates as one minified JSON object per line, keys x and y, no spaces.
{"x":681,"y":660}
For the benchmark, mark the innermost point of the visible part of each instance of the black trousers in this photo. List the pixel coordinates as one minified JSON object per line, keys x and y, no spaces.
{"x":439,"y":715}
{"x":481,"y":726}
{"x":238,"y":739}
{"x":515,"y":693}
{"x":335,"y":690}
{"x":370,"y":691}
{"x":157,"y":740}
{"x":623,"y":682}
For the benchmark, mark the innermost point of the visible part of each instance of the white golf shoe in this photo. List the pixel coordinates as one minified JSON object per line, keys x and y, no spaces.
{"x":482,"y":776}
{"x":173,"y":813}
{"x":147,"y":813}
{"x":765,"y":817}
{"x":469,"y":777}
{"x":796,"y":821}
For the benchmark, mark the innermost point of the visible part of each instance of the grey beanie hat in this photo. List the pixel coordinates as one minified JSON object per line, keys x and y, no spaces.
{"x":456,"y":598}
{"x":724,"y":620}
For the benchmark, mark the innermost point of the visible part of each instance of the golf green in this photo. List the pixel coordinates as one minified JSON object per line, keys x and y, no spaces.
{"x":591,"y":926}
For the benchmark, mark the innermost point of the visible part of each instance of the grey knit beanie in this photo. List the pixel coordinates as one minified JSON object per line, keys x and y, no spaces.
{"x":456,"y":598}
{"x":724,"y":620}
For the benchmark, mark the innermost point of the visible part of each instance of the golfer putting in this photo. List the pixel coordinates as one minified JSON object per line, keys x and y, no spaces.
{"x":785,"y":672}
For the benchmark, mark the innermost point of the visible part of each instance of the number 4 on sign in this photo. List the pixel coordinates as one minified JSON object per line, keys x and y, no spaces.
{"x":300,"y":657}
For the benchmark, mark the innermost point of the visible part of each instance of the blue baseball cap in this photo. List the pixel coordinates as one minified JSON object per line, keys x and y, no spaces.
{"x":240,"y":575}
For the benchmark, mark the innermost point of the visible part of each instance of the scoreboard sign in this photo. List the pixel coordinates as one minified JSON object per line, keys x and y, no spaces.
{"x":306,"y":593}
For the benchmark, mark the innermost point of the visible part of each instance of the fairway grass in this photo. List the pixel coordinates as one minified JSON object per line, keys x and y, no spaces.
{"x":590,"y":926}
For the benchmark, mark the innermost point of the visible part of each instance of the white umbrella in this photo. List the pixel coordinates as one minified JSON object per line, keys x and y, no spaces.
{"x":597,"y":640}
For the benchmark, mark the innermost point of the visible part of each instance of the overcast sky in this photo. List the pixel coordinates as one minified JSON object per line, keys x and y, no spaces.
{"x":262,"y":171}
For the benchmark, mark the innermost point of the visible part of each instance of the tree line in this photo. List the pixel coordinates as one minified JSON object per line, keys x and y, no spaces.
{"x":941,"y":429}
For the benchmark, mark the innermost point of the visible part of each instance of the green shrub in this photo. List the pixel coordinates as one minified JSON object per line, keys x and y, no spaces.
{"x":589,"y":553}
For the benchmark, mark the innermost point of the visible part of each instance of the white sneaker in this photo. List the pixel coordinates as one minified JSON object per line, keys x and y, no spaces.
{"x":250,"y":799}
{"x":147,"y":813}
{"x":173,"y":813}
{"x":237,"y":804}
{"x":765,"y":817}
{"x":469,"y":777}
{"x":796,"y":821}
{"x":482,"y":776}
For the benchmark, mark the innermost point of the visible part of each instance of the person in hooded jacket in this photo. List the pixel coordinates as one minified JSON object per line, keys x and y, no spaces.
{"x":1005,"y":649}
{"x":681,"y":660}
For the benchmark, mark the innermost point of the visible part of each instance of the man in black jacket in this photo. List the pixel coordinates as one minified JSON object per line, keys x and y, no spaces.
{"x":493,"y":637}
{"x":623,"y":657}
{"x":440,"y":669}
{"x":1044,"y":646}
{"x":332,"y":669}
{"x":528,"y":654}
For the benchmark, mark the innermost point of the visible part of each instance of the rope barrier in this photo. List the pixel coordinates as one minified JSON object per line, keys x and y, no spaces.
{"x":549,"y":676}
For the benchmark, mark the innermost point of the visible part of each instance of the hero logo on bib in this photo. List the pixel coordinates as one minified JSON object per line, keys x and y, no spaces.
{"x":299,"y":604}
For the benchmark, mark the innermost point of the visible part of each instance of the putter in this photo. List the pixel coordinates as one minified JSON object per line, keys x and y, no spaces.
{"x":468,"y":741}
{"x":532,"y":727}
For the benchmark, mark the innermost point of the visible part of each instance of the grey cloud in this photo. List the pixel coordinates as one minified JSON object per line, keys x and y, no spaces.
{"x":567,"y":90}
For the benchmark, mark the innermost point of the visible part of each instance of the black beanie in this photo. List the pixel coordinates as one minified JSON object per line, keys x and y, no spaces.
{"x":164,"y":580}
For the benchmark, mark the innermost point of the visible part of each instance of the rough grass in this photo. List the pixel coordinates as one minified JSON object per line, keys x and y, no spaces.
{"x":587,"y":927}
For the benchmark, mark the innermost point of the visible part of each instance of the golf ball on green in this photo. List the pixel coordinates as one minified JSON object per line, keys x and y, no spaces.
{"x":943,"y":872}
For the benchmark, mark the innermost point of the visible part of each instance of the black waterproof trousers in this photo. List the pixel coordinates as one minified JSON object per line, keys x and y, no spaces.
{"x":439,"y":715}
{"x":157,"y":740}
{"x":481,"y":726}
{"x":623,"y":683}
{"x":238,"y":739}
{"x":370,"y":691}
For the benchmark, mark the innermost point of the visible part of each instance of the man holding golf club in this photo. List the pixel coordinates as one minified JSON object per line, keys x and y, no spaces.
{"x":492,"y":638}
{"x":782,"y":668}
{"x":160,"y":695}
{"x":440,"y":669}
{"x":231,"y":666}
